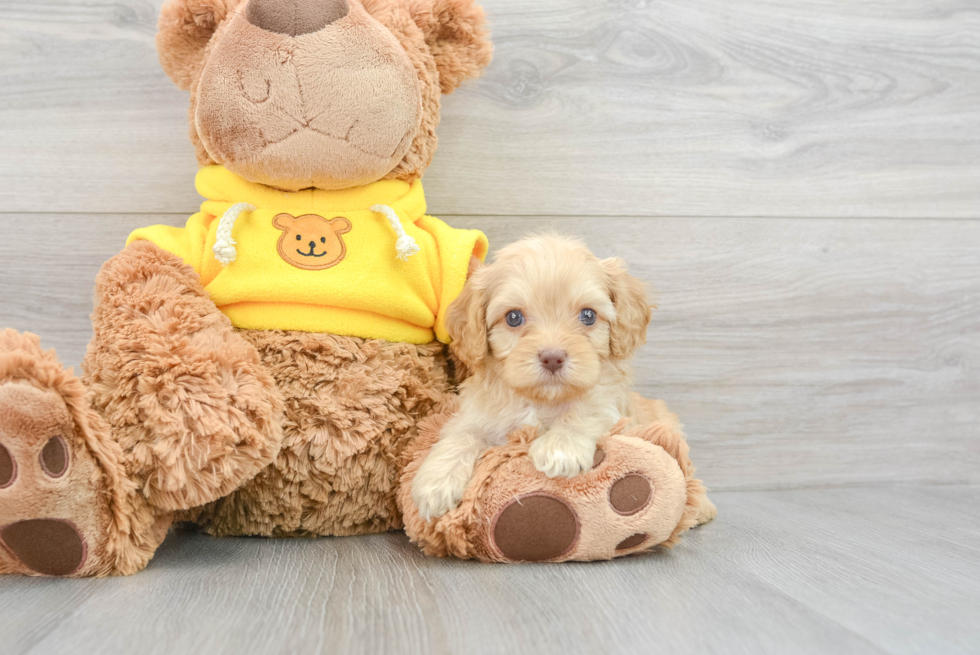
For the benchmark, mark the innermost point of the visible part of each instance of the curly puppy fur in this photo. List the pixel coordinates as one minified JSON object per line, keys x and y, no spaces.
{"x":575,"y":397}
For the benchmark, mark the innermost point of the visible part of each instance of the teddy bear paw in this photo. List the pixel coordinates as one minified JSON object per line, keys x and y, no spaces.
{"x":52,"y":507}
{"x":632,"y":498}
{"x":639,"y":491}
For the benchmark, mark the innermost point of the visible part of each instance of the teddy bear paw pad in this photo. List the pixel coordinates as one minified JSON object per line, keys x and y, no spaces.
{"x":631,"y":500}
{"x":535,"y":527}
{"x":51,"y":492}
{"x":46,"y":546}
{"x":629,"y":494}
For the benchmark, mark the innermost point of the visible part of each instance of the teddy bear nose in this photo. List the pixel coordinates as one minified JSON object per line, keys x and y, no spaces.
{"x":552,"y":359}
{"x":294,"y":17}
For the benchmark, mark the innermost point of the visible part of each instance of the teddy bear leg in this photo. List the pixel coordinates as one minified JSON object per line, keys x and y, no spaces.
{"x":639,"y":493}
{"x":652,"y":411}
{"x":66,"y":505}
{"x":193,"y":409}
{"x":352,"y":407}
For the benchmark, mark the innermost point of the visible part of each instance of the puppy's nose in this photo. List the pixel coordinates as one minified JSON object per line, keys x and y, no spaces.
{"x":294,"y":17}
{"x":552,"y":359}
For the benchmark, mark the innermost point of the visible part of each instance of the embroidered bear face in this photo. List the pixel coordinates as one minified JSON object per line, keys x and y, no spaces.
{"x":311,"y":242}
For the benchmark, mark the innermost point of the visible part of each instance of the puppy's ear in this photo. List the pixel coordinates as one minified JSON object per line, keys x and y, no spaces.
{"x":466,"y":321}
{"x":454,"y":32}
{"x":183,"y":31}
{"x":629,"y":331}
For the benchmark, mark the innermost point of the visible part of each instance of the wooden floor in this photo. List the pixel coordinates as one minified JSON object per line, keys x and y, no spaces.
{"x":799,"y":182}
{"x":856,"y":570}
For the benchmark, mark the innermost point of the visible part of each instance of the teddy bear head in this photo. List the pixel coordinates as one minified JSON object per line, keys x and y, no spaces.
{"x":328,"y":94}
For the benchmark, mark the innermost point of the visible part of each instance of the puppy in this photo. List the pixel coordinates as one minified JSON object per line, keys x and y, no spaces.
{"x":547,"y":331}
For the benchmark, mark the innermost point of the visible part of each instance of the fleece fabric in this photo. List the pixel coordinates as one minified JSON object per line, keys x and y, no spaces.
{"x":323,"y":261}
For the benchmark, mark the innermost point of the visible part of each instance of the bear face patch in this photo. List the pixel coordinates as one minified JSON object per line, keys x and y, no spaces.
{"x":311,"y":242}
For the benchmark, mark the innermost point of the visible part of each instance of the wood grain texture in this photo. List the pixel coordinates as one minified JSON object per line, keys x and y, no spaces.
{"x":807,"y":357}
{"x":754,"y":108}
{"x":811,"y":571}
{"x":797,"y":352}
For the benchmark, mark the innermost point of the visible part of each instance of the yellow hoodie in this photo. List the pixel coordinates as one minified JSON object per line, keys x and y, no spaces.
{"x":364,"y":262}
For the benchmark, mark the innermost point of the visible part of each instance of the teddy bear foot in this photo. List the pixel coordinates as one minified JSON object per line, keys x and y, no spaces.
{"x":639,"y":493}
{"x":58,"y":502}
{"x":631,"y":499}
{"x":50,"y":518}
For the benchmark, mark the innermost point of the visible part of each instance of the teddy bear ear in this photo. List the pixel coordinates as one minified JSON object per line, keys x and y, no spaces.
{"x":456,"y":34}
{"x":183,"y":31}
{"x":454,"y":31}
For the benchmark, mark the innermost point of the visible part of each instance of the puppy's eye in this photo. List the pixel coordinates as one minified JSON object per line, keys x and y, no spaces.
{"x":323,"y":239}
{"x":515,"y":318}
{"x":299,"y":237}
{"x":587,"y":316}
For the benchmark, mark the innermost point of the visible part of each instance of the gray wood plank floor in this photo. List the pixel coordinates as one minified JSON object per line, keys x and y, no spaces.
{"x":799,"y":182}
{"x":859,"y":570}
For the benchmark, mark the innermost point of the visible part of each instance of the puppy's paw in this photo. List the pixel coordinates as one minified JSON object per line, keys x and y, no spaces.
{"x":562,"y":455}
{"x":436,"y":492}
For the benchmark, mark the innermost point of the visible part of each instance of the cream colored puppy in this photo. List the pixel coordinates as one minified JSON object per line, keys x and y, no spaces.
{"x":547,"y":331}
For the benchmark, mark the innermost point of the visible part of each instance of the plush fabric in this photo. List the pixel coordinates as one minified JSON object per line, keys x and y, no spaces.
{"x":186,"y":397}
{"x":90,"y":519}
{"x":445,"y":42}
{"x":295,"y":18}
{"x":369,"y":294}
{"x":352,"y":405}
{"x":640,"y":493}
{"x":332,"y":109}
{"x":238,"y":384}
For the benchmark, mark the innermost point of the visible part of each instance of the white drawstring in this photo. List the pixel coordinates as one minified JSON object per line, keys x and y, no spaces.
{"x":405,"y":246}
{"x":224,"y":245}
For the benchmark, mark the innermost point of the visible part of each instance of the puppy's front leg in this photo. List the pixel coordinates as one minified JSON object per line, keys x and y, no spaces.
{"x":568,"y":448}
{"x":444,"y":475}
{"x":561,"y":452}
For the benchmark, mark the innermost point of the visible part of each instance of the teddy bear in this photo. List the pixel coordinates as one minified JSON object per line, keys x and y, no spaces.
{"x":278,"y":366}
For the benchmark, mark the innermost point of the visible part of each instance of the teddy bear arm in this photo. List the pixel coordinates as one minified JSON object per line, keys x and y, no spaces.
{"x":186,"y":397}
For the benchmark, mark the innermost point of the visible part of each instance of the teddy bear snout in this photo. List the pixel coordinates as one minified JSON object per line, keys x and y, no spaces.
{"x":295,"y":17}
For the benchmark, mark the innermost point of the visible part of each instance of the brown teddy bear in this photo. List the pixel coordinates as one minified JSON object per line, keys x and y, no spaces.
{"x":265,"y":369}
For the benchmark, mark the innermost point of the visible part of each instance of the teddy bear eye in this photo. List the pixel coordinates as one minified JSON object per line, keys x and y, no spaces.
{"x":587,"y":316}
{"x":323,"y":239}
{"x":299,"y":237}
{"x":515,"y":318}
